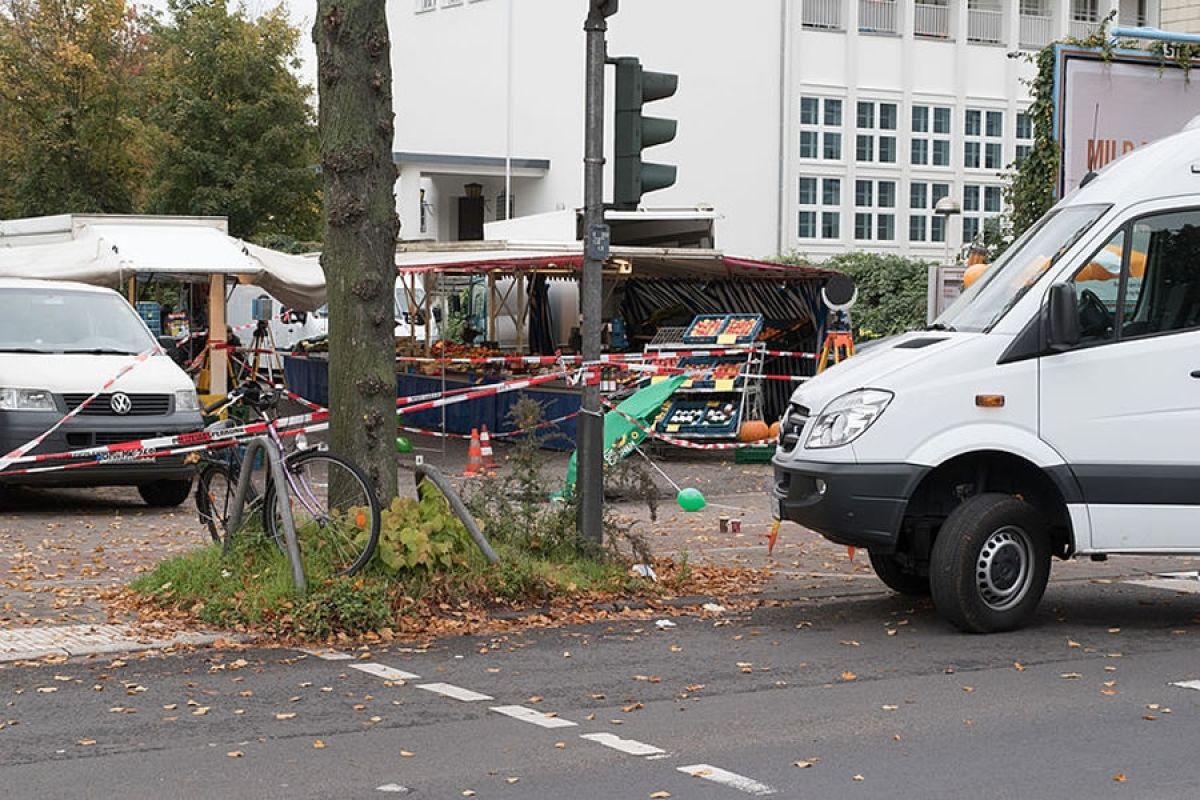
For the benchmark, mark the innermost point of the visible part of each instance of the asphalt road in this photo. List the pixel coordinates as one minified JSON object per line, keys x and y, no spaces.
{"x":874,"y":693}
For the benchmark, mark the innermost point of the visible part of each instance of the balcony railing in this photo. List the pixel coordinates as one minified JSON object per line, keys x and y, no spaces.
{"x":878,"y":16}
{"x":1082,"y":29}
{"x":932,"y":21}
{"x":1036,"y":32}
{"x":822,"y":14}
{"x":985,"y":26}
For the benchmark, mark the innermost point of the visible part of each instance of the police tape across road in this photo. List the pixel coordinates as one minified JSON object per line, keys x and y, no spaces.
{"x":155,"y":447}
{"x":606,"y":359}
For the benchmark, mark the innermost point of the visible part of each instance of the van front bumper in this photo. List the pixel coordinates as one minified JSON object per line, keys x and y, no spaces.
{"x":19,"y":427}
{"x":861,"y":505}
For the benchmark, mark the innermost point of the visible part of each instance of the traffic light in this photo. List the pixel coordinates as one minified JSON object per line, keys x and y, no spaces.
{"x":633,"y":177}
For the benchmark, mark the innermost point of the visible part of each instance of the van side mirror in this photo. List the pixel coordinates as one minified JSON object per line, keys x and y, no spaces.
{"x":1062,"y":312}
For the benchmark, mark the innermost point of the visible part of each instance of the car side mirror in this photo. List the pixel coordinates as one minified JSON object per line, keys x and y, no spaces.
{"x":1062,"y":311}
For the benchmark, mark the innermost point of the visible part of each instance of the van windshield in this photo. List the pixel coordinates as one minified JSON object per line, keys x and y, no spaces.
{"x":1004,"y":283}
{"x":57,"y":321}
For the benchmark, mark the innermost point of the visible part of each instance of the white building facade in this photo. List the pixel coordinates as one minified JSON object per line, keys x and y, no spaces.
{"x":817,"y":126}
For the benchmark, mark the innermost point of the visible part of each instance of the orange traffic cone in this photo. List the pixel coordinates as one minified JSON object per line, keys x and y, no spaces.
{"x":485,"y":449}
{"x":474,"y":459}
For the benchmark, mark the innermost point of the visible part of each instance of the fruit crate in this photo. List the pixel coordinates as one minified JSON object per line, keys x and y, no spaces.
{"x":722,"y":368}
{"x":701,"y":419}
{"x":740,"y":328}
{"x":705,"y":328}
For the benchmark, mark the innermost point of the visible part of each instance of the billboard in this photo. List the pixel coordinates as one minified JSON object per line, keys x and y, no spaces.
{"x":1106,"y":107}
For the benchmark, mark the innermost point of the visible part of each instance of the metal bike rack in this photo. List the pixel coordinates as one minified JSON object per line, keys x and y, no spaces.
{"x":275,"y":465}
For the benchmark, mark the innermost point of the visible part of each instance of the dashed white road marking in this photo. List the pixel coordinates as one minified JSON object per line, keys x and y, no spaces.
{"x":629,"y":746}
{"x":329,"y":655}
{"x":1187,"y":685}
{"x":385,"y":672}
{"x":727,"y":778}
{"x":457,"y":692}
{"x":534,"y":717}
{"x":1185,"y":582}
{"x":394,"y":788}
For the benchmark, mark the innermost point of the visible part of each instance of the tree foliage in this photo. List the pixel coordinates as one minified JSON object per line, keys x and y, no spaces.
{"x":233,"y":131}
{"x":70,"y":110}
{"x":197,"y":112}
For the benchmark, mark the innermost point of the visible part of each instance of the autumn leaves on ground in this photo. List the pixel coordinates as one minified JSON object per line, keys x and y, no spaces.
{"x":428,"y":578}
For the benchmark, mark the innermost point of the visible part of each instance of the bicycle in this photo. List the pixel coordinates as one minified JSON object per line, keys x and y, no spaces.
{"x":334,"y":509}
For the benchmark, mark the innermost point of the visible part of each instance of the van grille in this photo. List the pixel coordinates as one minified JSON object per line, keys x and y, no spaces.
{"x":144,"y":405}
{"x":792,"y":425}
{"x":80,"y":440}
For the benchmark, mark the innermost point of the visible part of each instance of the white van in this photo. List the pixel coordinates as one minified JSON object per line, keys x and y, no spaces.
{"x":59,"y":343}
{"x":1038,"y":416}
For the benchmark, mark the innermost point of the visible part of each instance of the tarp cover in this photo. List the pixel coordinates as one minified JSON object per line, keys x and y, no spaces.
{"x":107,"y":254}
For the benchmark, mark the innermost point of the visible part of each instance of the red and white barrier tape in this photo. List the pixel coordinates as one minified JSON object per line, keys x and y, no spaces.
{"x":12,"y":456}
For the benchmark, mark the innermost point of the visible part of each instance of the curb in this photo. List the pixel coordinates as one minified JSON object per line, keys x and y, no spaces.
{"x":71,"y":641}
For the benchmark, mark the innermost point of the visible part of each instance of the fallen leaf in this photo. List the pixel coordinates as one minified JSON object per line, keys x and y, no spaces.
{"x":659,"y":795}
{"x":632,"y":707}
{"x":1070,"y":676}
{"x":849,"y":676}
{"x":1072,"y":643}
{"x":468,"y":792}
{"x":1018,"y":666}
{"x":968,"y":689}
{"x":511,"y":779}
{"x":1149,"y":717}
{"x":407,"y":753}
{"x":200,"y":712}
{"x":537,"y":698}
{"x":804,"y":763}
{"x":235,"y":754}
{"x":289,"y":715}
{"x":1120,"y":777}
{"x":889,"y":708}
{"x":87,"y":742}
{"x":47,"y":689}
{"x":859,"y":778}
{"x":318,"y":744}
{"x":561,"y":745}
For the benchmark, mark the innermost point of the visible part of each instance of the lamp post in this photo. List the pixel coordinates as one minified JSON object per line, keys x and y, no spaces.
{"x":945,"y":208}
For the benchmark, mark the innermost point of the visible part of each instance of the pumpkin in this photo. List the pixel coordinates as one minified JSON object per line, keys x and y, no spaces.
{"x":753,"y":430}
{"x":773,"y":432}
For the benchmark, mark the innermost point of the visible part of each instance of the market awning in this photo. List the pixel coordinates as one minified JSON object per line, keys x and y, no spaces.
{"x":630,"y":262}
{"x":107,"y":254}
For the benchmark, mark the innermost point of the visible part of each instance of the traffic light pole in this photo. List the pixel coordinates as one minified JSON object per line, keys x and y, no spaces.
{"x":590,"y":444}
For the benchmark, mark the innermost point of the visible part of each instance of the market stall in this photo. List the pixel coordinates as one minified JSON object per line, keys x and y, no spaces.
{"x":524,"y":315}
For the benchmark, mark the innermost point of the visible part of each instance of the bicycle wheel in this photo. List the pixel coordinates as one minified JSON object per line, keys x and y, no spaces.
{"x":215,"y":489}
{"x":334,"y":509}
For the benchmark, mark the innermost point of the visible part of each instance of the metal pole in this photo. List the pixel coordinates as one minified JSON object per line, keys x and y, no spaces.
{"x":241,"y":492}
{"x":591,"y":421}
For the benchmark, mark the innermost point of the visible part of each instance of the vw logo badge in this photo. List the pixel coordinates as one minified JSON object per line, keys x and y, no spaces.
{"x":121,"y":404}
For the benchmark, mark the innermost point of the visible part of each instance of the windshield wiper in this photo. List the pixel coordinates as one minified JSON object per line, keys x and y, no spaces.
{"x":25,"y":350}
{"x":939,"y":326}
{"x":100,"y":351}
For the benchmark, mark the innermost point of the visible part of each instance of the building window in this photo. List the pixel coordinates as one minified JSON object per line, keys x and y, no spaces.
{"x":504,"y":204}
{"x":983,"y":139}
{"x":822,"y":15}
{"x":980,"y":203}
{"x":874,"y":215}
{"x":426,"y":5}
{"x":923,"y":224}
{"x":1024,"y":135}
{"x":820,"y":198}
{"x":872,"y":116}
{"x":821,"y":128}
{"x":931,"y":142}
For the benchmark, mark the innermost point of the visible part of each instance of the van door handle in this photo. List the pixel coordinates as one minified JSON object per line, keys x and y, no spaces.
{"x":1196,"y":373}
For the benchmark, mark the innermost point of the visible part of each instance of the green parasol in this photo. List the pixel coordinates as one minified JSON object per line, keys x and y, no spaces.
{"x":621,"y":436}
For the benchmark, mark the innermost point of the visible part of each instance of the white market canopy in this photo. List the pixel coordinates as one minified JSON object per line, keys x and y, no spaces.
{"x":108,"y":251}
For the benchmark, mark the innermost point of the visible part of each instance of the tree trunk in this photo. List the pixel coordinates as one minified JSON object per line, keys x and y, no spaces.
{"x":356,"y":128}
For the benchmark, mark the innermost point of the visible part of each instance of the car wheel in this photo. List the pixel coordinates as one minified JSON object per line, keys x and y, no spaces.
{"x":990,"y":564}
{"x":165,"y":494}
{"x":898,"y":578}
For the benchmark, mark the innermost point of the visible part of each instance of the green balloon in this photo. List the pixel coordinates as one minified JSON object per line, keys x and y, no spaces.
{"x":403,"y":445}
{"x":690,"y":499}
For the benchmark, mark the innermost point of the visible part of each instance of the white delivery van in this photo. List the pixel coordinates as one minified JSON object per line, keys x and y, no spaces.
{"x":1052,"y":410}
{"x":59,"y":343}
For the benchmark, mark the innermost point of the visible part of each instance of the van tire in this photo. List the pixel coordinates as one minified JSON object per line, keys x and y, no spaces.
{"x":897,"y":578}
{"x":165,"y":494}
{"x":990,"y":564}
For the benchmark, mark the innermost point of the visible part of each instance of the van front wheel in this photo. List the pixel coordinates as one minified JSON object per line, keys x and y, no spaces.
{"x":990,"y":563}
{"x":165,"y":493}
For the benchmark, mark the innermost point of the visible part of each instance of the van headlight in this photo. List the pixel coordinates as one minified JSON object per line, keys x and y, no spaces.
{"x":845,"y":419}
{"x":26,"y":400}
{"x":186,"y":400}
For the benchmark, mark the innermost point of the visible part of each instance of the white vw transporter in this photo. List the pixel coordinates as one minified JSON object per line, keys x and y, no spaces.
{"x":1052,"y":410}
